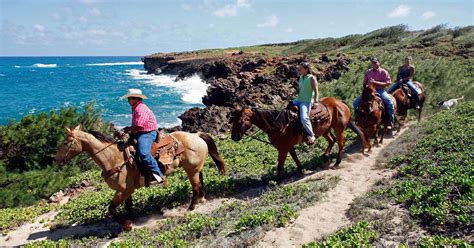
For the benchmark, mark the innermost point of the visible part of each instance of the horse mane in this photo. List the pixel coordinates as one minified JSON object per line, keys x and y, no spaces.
{"x":274,"y":118}
{"x":102,"y":137}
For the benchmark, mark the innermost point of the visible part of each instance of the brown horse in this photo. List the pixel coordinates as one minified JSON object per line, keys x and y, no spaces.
{"x":127,"y":179}
{"x":404,"y":103}
{"x":273,"y":122}
{"x":371,"y":115}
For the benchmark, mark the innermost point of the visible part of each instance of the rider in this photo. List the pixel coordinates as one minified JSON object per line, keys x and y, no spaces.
{"x":380,"y":79}
{"x":144,"y":130}
{"x":307,"y":88}
{"x":405,"y":75}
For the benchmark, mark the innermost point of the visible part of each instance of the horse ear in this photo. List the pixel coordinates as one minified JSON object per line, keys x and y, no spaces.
{"x":237,"y":107}
{"x":68,"y":130}
{"x":77,"y":128}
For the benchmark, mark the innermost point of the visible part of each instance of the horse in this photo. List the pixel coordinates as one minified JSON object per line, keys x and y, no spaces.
{"x":371,"y":115}
{"x":404,"y":103}
{"x":126,"y":179}
{"x":273,"y":122}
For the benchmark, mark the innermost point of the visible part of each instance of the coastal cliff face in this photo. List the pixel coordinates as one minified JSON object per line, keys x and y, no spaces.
{"x":240,"y":78}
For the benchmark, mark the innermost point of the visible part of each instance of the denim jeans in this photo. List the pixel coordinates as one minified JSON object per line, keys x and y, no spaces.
{"x":145,"y":140}
{"x":387,"y":101}
{"x":412,"y":87}
{"x":305,"y":107}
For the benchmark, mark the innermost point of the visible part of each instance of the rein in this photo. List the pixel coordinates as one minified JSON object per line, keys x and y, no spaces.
{"x":253,"y":135}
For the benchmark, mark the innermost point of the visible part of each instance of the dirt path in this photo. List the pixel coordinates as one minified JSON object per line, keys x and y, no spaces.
{"x":358,"y":174}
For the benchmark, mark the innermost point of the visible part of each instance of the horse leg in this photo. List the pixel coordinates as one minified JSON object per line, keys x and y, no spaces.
{"x":201,"y":189}
{"x":340,"y":146}
{"x":330,"y":138}
{"x":281,"y":161}
{"x":385,"y":130}
{"x":196,"y":185}
{"x":120,"y":197}
{"x":376,"y":135}
{"x":295,"y":158}
{"x":129,"y":207}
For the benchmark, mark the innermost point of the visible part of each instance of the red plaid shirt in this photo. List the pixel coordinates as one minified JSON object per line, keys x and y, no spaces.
{"x":143,"y":119}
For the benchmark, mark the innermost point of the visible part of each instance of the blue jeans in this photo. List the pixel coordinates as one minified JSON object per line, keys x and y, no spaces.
{"x":410,"y":84}
{"x":145,"y":140}
{"x":305,"y":107}
{"x":387,"y":101}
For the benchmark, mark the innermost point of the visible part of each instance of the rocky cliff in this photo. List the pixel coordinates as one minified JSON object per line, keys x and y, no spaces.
{"x":246,"y":79}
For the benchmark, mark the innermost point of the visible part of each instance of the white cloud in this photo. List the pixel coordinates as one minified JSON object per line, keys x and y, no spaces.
{"x":83,"y":19}
{"x":289,"y":30}
{"x":39,"y":28}
{"x":400,"y":11}
{"x":95,"y":12}
{"x":56,"y":16}
{"x":186,"y":6}
{"x":428,"y":15}
{"x":231,"y":9}
{"x":271,"y":21}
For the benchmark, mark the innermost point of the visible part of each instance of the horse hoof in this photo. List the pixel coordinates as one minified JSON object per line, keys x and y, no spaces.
{"x":127,"y":226}
{"x":202,"y":200}
{"x":335,"y":167}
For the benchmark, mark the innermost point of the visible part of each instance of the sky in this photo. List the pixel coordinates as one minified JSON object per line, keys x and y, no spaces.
{"x":142,"y":27}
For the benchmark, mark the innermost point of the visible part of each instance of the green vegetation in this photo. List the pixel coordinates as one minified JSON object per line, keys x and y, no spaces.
{"x":236,"y":221}
{"x":432,"y":190}
{"x":435,"y":180}
{"x":358,"y":235}
{"x":27,"y":150}
{"x":13,"y":217}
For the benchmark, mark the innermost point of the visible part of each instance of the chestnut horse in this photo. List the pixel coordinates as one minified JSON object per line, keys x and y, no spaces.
{"x":105,"y":152}
{"x":404,"y":102}
{"x":371,"y":115}
{"x":273,"y":121}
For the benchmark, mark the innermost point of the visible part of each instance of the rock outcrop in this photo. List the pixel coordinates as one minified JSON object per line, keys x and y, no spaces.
{"x":246,"y":79}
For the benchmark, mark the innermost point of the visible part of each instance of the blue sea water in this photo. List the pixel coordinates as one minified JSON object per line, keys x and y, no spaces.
{"x":31,"y":85}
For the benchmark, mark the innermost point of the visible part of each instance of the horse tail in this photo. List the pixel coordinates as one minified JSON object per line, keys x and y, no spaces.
{"x":357,"y":130}
{"x":211,"y":146}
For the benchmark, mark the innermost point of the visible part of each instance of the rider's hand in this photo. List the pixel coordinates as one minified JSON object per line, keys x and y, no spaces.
{"x":127,"y":129}
{"x":371,"y":81}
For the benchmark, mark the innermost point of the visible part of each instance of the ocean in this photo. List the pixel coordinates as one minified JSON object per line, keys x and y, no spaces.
{"x":30,"y":85}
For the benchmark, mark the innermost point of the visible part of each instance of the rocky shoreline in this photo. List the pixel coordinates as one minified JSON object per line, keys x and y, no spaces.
{"x":246,"y":79}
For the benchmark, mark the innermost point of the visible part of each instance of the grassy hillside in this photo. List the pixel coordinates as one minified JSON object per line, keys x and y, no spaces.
{"x":429,"y":201}
{"x":434,"y":195}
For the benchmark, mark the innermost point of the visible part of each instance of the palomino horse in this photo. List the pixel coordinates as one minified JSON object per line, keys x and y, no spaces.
{"x":107,"y":155}
{"x":371,"y":115}
{"x":273,"y":121}
{"x":404,"y":103}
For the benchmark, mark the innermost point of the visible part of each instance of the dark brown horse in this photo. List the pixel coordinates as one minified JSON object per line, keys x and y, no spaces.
{"x":371,"y":115}
{"x":273,"y":122}
{"x":404,"y":103}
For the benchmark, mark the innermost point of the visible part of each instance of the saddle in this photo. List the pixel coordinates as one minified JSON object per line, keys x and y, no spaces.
{"x":318,"y":113}
{"x":165,"y":149}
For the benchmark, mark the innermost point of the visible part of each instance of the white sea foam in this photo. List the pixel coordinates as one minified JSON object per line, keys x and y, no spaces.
{"x":192,"y":89}
{"x":117,"y":63}
{"x":45,"y":65}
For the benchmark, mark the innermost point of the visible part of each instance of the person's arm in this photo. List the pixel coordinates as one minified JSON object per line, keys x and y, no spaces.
{"x":314,"y":84}
{"x":398,"y":73}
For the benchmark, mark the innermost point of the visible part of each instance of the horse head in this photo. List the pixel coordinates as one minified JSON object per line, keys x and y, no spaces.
{"x":241,"y":121}
{"x":71,"y":146}
{"x":368,"y":98}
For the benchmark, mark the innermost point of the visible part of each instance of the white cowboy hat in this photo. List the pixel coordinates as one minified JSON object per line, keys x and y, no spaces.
{"x":134,"y":93}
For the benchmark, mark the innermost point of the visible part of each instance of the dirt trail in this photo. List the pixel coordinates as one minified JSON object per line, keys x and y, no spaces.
{"x":358,"y":173}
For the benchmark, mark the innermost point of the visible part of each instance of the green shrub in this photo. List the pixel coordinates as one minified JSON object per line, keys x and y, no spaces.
{"x":14,"y":217}
{"x":435,"y":180}
{"x":279,"y":216}
{"x":31,"y":143}
{"x":357,"y":235}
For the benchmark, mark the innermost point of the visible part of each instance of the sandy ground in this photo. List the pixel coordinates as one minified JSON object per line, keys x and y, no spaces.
{"x":358,"y":173}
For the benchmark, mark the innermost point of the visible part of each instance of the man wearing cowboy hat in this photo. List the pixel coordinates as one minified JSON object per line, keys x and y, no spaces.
{"x":144,"y":130}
